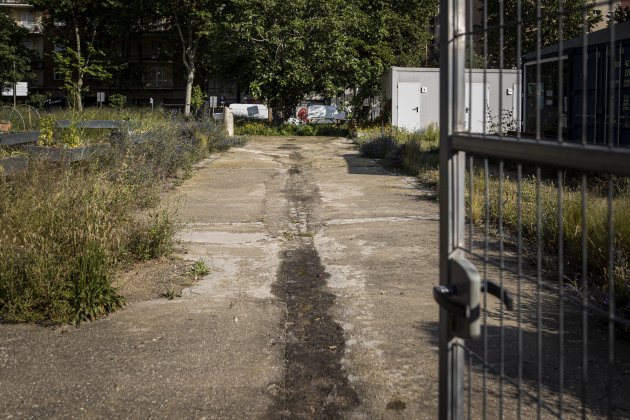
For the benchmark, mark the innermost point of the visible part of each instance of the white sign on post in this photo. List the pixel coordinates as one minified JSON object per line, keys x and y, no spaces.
{"x":212,"y":101}
{"x":21,"y":89}
{"x":100,"y":97}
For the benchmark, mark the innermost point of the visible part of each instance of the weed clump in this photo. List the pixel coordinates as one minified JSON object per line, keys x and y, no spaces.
{"x":66,"y":228}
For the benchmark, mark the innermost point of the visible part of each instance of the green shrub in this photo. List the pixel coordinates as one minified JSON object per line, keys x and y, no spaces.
{"x":199,"y":269}
{"x":65,"y":229}
{"x":38,"y":100}
{"x":264,"y":128}
{"x":197,"y":97}
{"x":378,"y":147}
{"x":152,"y":237}
{"x":117,"y":101}
{"x":60,"y":234}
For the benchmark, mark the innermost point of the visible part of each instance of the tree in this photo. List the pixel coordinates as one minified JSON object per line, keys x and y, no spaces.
{"x":15,"y":59}
{"x":620,"y":14}
{"x":194,"y":22}
{"x":285,"y":50}
{"x":78,"y":24}
{"x":572,"y":27}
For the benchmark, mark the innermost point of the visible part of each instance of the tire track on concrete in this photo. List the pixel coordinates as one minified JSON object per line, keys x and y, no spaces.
{"x":314,"y":384}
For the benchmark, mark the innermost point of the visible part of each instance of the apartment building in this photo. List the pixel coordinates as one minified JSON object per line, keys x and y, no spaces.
{"x":31,"y":20}
{"x":145,"y":65}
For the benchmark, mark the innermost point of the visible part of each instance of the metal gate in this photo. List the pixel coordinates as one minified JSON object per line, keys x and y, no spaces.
{"x":534,"y":288}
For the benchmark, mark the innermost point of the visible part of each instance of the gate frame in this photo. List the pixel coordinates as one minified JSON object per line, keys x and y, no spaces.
{"x":454,"y":144}
{"x":452,"y":200}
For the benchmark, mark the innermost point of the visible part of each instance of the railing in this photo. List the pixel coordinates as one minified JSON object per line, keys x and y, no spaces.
{"x":15,"y":2}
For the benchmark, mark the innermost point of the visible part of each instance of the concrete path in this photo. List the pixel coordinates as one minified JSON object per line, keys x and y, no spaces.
{"x":318,"y":304}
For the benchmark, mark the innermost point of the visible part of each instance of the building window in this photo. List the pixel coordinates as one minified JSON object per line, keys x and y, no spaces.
{"x":26,"y":17}
{"x":57,"y":75}
{"x":158,"y":76}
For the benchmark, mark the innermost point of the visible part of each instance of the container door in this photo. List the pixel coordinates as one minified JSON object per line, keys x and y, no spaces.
{"x":476,"y":111}
{"x":516,"y":104}
{"x":409,"y":105}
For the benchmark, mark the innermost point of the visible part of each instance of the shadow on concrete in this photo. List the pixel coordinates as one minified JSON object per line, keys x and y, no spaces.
{"x":599,"y":384}
{"x":359,"y":165}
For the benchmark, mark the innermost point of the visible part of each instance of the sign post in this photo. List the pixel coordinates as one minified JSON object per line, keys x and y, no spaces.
{"x":212,"y":101}
{"x":100,"y":98}
{"x":15,"y":90}
{"x":151,"y":102}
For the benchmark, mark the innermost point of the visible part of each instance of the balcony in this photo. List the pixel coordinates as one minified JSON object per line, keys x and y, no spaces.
{"x":18,"y":3}
{"x":32,"y":27}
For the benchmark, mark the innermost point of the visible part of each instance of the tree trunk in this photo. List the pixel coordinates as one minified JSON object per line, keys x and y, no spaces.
{"x":189,"y":84}
{"x":77,"y":94}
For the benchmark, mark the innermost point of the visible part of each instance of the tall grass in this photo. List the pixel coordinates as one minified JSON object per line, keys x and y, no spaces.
{"x":66,"y":228}
{"x":597,"y":232}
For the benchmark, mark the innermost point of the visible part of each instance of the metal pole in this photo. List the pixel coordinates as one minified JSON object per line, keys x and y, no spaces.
{"x":452,"y":204}
{"x":14,"y":87}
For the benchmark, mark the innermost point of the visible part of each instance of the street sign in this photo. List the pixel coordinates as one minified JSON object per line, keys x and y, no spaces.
{"x":212,"y":101}
{"x":21,"y":89}
{"x":100,"y":97}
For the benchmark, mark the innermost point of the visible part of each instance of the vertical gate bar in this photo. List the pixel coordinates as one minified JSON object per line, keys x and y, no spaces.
{"x":584,"y":392}
{"x":560,"y":222}
{"x":501,"y":58}
{"x":584,"y":75}
{"x":610,"y":103}
{"x":501,"y":268}
{"x":560,"y":72}
{"x":486,"y":236}
{"x":538,"y":69}
{"x":452,"y":200}
{"x":471,"y":197}
{"x":611,"y":298}
{"x":471,"y":171}
{"x":618,"y":93}
{"x":471,"y":42}
{"x":539,"y":293}
{"x":519,"y":279}
{"x":519,"y":67}
{"x":485,"y":65}
{"x":470,"y":362}
{"x":611,"y":227}
{"x":584,"y":297}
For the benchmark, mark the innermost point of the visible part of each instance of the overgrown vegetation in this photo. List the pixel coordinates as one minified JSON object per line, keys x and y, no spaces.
{"x":263,"y":128}
{"x":65,"y":229}
{"x":417,"y":154}
{"x":199,"y":269}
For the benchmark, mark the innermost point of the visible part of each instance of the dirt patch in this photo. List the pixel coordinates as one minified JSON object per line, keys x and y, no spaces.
{"x":154,"y":279}
{"x":296,"y":156}
{"x":314,"y":384}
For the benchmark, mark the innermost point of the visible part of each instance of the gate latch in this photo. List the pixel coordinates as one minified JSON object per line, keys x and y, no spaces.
{"x":461,"y":298}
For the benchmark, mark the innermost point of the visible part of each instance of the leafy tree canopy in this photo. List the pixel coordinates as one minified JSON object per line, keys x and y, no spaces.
{"x":286,"y":50}
{"x":575,"y":14}
{"x":14,"y":57}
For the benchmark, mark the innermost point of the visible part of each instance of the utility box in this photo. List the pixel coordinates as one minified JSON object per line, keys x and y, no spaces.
{"x":414,"y":94}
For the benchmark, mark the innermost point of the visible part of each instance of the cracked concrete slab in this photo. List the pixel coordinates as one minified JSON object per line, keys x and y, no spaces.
{"x":316,"y":305}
